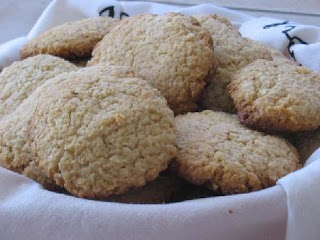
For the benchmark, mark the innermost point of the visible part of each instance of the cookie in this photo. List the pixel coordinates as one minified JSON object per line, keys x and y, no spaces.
{"x":161,"y":190}
{"x":277,"y":97}
{"x":219,"y":27}
{"x":278,"y":56}
{"x":18,"y":98}
{"x":173,"y":52}
{"x":107,"y":133}
{"x":70,"y":40}
{"x":21,"y":78}
{"x":306,"y":143}
{"x":15,"y":152}
{"x":232,"y":53}
{"x":216,"y":150}
{"x":34,"y":172}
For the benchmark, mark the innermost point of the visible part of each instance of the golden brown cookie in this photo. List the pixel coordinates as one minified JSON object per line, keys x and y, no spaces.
{"x":274,"y":96}
{"x":34,"y":172}
{"x":161,"y":190}
{"x":14,"y":146}
{"x":17,"y":83}
{"x":232,"y":53}
{"x":17,"y":102}
{"x":107,"y":133}
{"x":215,"y":150}
{"x":21,"y":78}
{"x":278,"y":56}
{"x":173,"y":52}
{"x":70,"y":40}
{"x":15,"y":152}
{"x":219,"y":27}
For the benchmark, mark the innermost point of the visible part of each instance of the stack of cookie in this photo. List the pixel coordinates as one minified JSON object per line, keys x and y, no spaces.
{"x":142,"y":110}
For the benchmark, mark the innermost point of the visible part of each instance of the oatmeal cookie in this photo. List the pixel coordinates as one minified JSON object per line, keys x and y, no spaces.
{"x":273,"y":96}
{"x":14,"y":146}
{"x":232,"y":53}
{"x":215,"y":150}
{"x":34,"y":172}
{"x":173,"y":52}
{"x":70,"y":40}
{"x":15,"y":152}
{"x":107,"y":133}
{"x":21,"y":78}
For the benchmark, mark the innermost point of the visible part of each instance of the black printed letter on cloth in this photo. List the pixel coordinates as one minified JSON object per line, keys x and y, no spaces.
{"x":292,"y":39}
{"x":108,"y":11}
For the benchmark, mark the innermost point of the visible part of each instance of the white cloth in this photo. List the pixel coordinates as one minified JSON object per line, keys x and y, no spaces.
{"x":60,"y":11}
{"x":299,"y":41}
{"x":27,"y":211}
{"x":303,"y":193}
{"x":17,"y":17}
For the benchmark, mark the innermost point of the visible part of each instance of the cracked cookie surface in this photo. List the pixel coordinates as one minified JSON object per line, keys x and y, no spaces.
{"x":273,"y":96}
{"x":70,"y":40}
{"x":215,"y":150}
{"x":173,"y":52}
{"x":21,"y":78}
{"x":18,"y":84}
{"x":107,"y":132}
{"x":232,"y":53}
{"x":15,"y":152}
